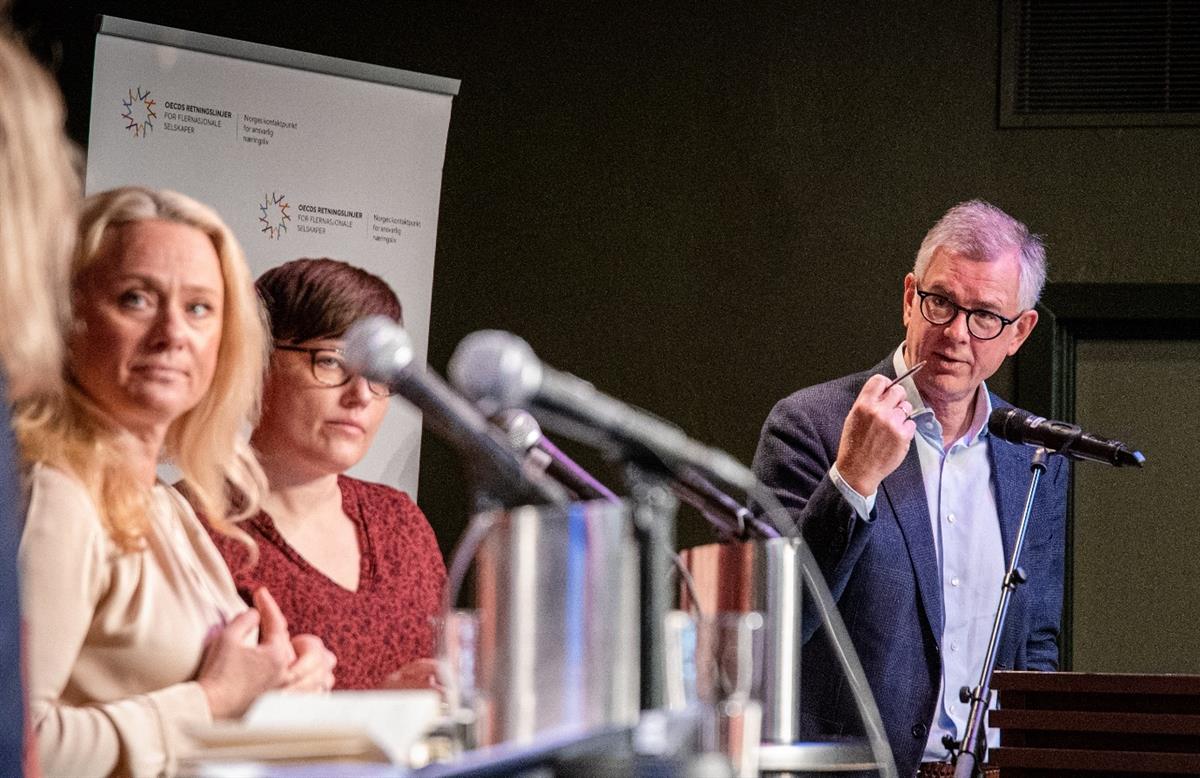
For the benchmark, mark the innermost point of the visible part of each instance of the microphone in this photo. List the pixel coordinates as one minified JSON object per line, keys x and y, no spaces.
{"x":726,"y":514}
{"x":381,"y":350}
{"x":1058,"y":437}
{"x":499,"y":370}
{"x":525,"y":436}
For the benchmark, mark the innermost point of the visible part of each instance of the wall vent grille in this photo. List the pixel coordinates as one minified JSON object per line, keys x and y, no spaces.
{"x":1100,"y":62}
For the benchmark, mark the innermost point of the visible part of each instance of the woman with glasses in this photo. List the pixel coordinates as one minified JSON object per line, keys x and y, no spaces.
{"x":355,"y":563}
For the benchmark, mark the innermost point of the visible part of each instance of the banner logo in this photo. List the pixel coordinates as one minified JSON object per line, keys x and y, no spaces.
{"x":274,"y":216}
{"x":137,"y":111}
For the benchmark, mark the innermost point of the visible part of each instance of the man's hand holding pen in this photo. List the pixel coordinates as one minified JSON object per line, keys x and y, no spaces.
{"x":877,"y":433}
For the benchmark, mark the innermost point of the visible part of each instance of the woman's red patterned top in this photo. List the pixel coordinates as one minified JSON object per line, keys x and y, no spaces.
{"x":383,"y":625}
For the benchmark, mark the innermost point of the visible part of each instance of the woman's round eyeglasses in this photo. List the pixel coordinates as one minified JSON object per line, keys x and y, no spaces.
{"x":329,"y":368}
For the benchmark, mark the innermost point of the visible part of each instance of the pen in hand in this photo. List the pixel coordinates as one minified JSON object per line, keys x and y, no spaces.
{"x":912,"y":370}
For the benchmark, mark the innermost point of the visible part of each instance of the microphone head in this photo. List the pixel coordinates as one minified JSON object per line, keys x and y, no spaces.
{"x":522,"y":429}
{"x":1010,"y":423}
{"x":1058,"y":437}
{"x":496,"y":370}
{"x":378,"y":348}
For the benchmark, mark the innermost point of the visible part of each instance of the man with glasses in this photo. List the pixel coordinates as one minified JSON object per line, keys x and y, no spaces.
{"x":912,"y":507}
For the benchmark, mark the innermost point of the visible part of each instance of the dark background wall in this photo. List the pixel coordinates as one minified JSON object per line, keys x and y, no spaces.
{"x":701,"y":207}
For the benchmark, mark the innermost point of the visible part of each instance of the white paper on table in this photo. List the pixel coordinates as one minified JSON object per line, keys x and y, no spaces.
{"x":341,"y":724}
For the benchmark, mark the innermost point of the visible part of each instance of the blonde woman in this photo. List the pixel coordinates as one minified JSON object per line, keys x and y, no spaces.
{"x":38,"y":201}
{"x":134,"y":625}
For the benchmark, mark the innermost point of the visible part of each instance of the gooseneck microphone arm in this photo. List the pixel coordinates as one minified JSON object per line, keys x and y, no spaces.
{"x":502,"y":362}
{"x":728,"y":516}
{"x":498,"y":370}
{"x":526,"y":437}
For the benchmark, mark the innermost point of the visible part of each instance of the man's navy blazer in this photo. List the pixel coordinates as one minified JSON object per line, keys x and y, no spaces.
{"x":884,"y":573}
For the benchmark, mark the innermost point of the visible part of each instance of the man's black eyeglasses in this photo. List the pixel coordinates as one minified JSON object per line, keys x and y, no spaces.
{"x":982,"y":324}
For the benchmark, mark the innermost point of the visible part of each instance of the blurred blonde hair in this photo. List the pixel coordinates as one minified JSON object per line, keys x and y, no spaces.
{"x":39,"y":198}
{"x":207,"y":443}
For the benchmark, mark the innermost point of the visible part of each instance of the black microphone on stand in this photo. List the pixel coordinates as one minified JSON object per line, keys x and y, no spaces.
{"x":1023,"y":427}
{"x":1058,"y":437}
{"x":381,"y":350}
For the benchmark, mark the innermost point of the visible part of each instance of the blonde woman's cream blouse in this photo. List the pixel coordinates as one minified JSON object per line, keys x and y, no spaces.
{"x":114,"y":639}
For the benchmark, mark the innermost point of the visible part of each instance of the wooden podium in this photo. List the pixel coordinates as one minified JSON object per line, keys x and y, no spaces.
{"x":1096,"y":724}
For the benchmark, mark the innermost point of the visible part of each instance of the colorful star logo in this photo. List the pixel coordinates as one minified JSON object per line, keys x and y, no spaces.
{"x":138,"y":111}
{"x":274,"y":216}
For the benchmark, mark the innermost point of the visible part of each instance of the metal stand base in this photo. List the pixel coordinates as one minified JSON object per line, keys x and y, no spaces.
{"x":803,"y":758}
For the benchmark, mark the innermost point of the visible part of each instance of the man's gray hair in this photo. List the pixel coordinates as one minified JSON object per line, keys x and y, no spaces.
{"x":983,"y":233}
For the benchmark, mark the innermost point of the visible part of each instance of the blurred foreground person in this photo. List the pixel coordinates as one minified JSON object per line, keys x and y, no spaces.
{"x":134,"y":625}
{"x":38,"y":202}
{"x":353,"y":562}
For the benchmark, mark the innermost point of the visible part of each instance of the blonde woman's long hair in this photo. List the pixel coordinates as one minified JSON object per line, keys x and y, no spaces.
{"x":207,"y":443}
{"x":39,"y":199}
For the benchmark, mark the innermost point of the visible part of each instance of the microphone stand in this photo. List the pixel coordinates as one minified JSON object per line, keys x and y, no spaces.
{"x":969,"y":751}
{"x":654,"y":507}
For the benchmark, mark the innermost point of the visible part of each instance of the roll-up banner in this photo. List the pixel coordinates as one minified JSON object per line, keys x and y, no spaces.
{"x":302,"y":155}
